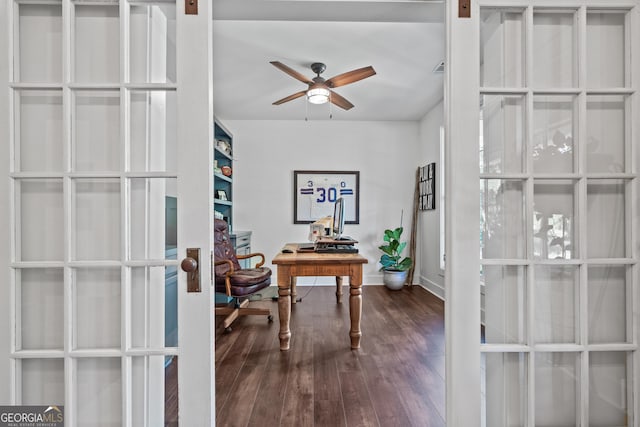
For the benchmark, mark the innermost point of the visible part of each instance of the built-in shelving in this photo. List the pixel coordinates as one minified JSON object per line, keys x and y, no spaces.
{"x":223,"y":184}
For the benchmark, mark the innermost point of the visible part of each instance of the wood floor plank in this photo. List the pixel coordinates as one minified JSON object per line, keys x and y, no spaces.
{"x":267,"y":409}
{"x":244,"y":391}
{"x":396,"y":378}
{"x":227,"y":373}
{"x":329,"y":413}
{"x":385,"y":395}
{"x":358,"y":407}
{"x":297,"y":410}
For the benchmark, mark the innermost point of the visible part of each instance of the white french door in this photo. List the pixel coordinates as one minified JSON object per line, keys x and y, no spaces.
{"x":556,"y":154}
{"x":107,"y":125}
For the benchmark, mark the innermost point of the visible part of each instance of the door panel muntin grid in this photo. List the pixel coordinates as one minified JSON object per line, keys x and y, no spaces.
{"x":592,"y":273}
{"x":60,"y":368}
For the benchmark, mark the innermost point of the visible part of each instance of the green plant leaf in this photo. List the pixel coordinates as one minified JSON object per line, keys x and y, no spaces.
{"x":401,"y":247}
{"x":397,"y":233}
{"x":405,"y":264}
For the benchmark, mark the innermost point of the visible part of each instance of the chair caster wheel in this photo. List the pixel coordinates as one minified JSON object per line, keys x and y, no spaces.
{"x":228,"y":329}
{"x":270,"y":318}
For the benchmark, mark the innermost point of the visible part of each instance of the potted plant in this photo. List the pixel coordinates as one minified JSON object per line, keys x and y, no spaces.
{"x":394,"y":268}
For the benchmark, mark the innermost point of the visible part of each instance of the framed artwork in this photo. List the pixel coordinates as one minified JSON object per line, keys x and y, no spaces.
{"x":315,"y":192}
{"x":428,"y":187}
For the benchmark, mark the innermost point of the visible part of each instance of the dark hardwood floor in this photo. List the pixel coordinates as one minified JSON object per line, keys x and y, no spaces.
{"x":396,"y":378}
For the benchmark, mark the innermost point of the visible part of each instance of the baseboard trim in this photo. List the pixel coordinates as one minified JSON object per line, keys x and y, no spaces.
{"x":432,"y":287}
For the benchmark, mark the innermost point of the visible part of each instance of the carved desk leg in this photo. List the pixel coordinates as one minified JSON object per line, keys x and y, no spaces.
{"x":339,"y":289}
{"x":294,"y":290}
{"x":284,"y":306}
{"x":355,"y":305}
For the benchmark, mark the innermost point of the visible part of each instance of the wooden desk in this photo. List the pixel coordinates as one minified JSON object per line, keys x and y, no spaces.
{"x":292,"y":265}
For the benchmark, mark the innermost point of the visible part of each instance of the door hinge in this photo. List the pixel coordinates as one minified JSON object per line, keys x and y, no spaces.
{"x":464,"y":8}
{"x":190,"y":7}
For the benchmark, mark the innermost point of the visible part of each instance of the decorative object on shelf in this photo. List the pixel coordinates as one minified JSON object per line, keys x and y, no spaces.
{"x":315,"y":192}
{"x":223,"y":182}
{"x":394,"y":268}
{"x":428,"y":187}
{"x":224,"y":146}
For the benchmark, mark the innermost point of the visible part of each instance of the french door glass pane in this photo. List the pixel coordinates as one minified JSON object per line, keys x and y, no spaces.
{"x":153,"y":62}
{"x":504,"y":304}
{"x":42,"y":381}
{"x":609,"y":385}
{"x":99,"y":392}
{"x":553,"y":222}
{"x":41,"y":303}
{"x":606,"y":133}
{"x":40,"y":123}
{"x":97,"y":131}
{"x":502,"y":134}
{"x":554,"y":50}
{"x":556,"y":310}
{"x":36,"y":222}
{"x":153,"y":131}
{"x":154,"y":307}
{"x":148,"y":391}
{"x":152,"y":208}
{"x":606,"y":53}
{"x":97,"y":307}
{"x":606,"y":230}
{"x":505,"y":382}
{"x":501,"y":48}
{"x":97,"y":44}
{"x":607,"y":304}
{"x":40,"y":43}
{"x":97,"y":219}
{"x":554,"y":129}
{"x":556,"y":389}
{"x":503,"y":221}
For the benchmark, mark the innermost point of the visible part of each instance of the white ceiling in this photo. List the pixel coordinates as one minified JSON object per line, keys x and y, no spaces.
{"x":402,"y":40}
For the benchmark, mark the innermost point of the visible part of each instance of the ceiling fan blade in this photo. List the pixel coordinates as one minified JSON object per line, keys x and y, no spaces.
{"x":340,"y":101}
{"x":290,"y":97}
{"x":351,"y":76}
{"x":293,"y":73}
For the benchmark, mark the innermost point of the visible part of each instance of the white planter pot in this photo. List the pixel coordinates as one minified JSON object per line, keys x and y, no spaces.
{"x":394,"y":280}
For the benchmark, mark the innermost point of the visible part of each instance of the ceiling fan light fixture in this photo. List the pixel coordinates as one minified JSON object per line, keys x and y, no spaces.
{"x":318,"y":95}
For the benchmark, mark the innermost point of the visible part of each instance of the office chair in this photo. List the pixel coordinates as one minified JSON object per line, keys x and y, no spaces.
{"x":234,"y":281}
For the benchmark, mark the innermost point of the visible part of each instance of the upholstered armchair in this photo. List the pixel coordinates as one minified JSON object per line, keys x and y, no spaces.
{"x":236,"y":282}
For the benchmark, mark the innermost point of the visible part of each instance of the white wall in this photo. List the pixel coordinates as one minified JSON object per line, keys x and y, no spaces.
{"x":430,"y":275}
{"x":267,"y":152}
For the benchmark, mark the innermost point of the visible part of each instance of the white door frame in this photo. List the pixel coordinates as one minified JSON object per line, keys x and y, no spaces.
{"x":462,"y":298}
{"x":195,"y":207}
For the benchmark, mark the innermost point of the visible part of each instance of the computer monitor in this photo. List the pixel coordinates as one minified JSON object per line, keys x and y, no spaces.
{"x":337,"y":226}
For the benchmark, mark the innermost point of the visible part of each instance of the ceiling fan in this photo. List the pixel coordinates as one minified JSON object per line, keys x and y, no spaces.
{"x":319,"y":90}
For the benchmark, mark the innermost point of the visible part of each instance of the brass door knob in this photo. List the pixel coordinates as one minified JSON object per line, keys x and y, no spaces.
{"x":189,"y":265}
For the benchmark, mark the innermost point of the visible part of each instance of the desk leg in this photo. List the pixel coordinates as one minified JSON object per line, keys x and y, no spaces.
{"x":339,"y":289}
{"x":294,"y":291}
{"x":355,"y":305}
{"x":284,"y":306}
